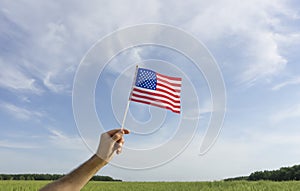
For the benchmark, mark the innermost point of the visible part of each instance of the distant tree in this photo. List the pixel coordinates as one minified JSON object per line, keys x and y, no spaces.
{"x":297,"y":175}
{"x":46,"y":177}
{"x":56,"y":176}
{"x":6,"y":177}
{"x":282,"y":174}
{"x":237,"y":178}
{"x":102,"y":178}
{"x":22,"y":178}
{"x":256,"y":176}
{"x":29,"y":177}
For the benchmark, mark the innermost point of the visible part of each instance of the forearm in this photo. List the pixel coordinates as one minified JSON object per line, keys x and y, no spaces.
{"x":76,"y":179}
{"x":110,"y":143}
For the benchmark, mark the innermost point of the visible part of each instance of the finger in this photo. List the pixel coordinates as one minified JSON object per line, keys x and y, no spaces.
{"x":122,"y":140}
{"x":125,"y":131}
{"x":117,"y":136}
{"x":114,"y":131}
{"x":119,"y":149}
{"x":120,"y":144}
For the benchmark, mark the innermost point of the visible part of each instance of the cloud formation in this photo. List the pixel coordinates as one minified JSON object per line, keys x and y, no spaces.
{"x":60,"y":36}
{"x":21,"y":113}
{"x":290,"y":112}
{"x":42,"y":43}
{"x":292,"y":81}
{"x":250,"y":30}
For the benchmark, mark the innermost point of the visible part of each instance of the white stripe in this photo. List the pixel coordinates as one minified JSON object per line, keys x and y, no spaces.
{"x":156,"y":97}
{"x":175,"y":93}
{"x":158,"y":103}
{"x":173,"y":87}
{"x":159,"y":92}
{"x":171,"y":81}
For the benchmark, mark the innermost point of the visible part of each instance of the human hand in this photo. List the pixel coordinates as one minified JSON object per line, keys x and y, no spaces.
{"x":110,"y":142}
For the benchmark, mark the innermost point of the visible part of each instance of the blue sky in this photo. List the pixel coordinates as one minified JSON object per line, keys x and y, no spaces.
{"x":255,"y":44}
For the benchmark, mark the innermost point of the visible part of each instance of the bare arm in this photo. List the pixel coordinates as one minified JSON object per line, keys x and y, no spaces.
{"x":110,"y":142}
{"x":76,"y":179}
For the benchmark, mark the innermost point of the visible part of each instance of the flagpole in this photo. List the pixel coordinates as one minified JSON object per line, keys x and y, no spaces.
{"x":128,"y":102}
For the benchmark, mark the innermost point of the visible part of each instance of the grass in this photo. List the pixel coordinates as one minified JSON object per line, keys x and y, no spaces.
{"x":163,"y":186}
{"x":20,"y":185}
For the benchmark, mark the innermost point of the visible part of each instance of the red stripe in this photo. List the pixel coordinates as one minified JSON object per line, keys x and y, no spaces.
{"x":156,"y":94}
{"x":168,"y":87}
{"x":168,"y":77}
{"x":164,"y":91}
{"x":169,"y":83}
{"x":157,"y":100}
{"x":157,"y":105}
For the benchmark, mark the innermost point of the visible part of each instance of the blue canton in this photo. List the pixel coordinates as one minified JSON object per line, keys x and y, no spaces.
{"x":146,"y":79}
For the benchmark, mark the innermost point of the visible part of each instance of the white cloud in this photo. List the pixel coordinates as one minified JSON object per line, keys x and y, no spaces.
{"x":63,"y":141}
{"x":55,"y":38}
{"x":57,"y":88}
{"x":250,"y":27}
{"x":17,"y":145}
{"x":58,"y":41}
{"x":21,"y":113}
{"x":292,"y":81}
{"x":13,"y":78}
{"x":25,"y":99}
{"x":64,"y":32}
{"x":45,"y":52}
{"x":266,"y":58}
{"x":289,"y":38}
{"x":292,"y":111}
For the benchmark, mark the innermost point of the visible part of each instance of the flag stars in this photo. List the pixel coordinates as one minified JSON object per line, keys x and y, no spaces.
{"x":146,"y":79}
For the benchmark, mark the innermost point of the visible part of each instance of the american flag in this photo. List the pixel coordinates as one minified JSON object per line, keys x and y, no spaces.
{"x":156,"y":89}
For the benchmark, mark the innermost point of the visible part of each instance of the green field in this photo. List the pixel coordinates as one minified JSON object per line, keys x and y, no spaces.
{"x":163,"y":186}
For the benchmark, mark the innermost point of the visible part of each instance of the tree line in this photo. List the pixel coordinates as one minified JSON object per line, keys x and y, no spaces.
{"x":47,"y":177}
{"x":282,"y":174}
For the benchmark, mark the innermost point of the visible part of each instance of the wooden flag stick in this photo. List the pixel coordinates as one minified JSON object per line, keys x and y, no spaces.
{"x":128,"y":102}
{"x":125,"y":114}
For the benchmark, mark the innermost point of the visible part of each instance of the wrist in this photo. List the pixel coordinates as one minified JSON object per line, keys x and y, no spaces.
{"x":99,"y":160}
